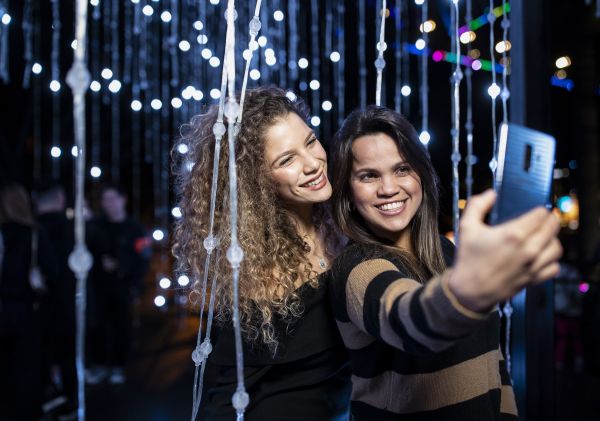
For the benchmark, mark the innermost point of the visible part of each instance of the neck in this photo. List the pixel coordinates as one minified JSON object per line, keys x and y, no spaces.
{"x":302,"y":216}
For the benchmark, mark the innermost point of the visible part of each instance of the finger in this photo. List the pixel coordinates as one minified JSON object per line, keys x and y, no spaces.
{"x":549,"y":272}
{"x":479,"y":206}
{"x":528,"y":223}
{"x":551,"y":253}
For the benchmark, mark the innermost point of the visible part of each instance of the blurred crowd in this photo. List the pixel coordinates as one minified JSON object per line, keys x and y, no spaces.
{"x":37,"y":298}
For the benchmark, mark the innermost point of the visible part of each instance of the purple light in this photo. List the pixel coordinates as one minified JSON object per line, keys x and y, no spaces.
{"x":476,"y":65}
{"x":438,"y":56}
{"x":584,"y":287}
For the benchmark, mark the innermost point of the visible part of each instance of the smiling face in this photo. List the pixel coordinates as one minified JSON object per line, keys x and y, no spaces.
{"x":385,"y":190}
{"x":297,"y":161}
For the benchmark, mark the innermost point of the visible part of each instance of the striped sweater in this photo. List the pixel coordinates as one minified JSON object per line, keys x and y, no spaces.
{"x":417,"y":353}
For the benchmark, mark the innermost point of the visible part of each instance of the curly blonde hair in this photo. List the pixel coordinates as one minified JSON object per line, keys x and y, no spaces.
{"x":275,"y":256}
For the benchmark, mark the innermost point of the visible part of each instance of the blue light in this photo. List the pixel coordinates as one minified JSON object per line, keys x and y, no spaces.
{"x":565,"y":204}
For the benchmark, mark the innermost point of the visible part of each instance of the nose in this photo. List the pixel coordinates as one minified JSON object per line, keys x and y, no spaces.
{"x":311,"y":163}
{"x":387,"y":187}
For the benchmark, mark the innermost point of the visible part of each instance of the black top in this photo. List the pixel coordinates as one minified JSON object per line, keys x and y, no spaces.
{"x":307,"y":379}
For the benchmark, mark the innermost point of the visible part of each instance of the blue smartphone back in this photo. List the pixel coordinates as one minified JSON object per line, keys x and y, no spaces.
{"x":524,"y":173}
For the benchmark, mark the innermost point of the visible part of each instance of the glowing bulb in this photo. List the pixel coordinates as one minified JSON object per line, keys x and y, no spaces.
{"x":405,"y":90}
{"x":278,"y":15}
{"x":36,"y":68}
{"x":6,"y":19}
{"x":158,"y":234}
{"x":156,"y":104}
{"x":164,"y":283}
{"x":420,"y":44}
{"x":176,"y":102}
{"x":74,"y":151}
{"x":148,"y":10}
{"x":202,"y":39}
{"x":427,"y":26}
{"x":494,"y":90}
{"x":206,"y":53}
{"x":198,"y":26}
{"x":503,"y":47}
{"x":419,"y":2}
{"x":74,"y":44}
{"x":95,"y":172}
{"x":424,"y":137}
{"x":94,"y":2}
{"x":326,"y":105}
{"x":55,"y":152}
{"x":262,"y":40}
{"x":176,"y":211}
{"x":95,"y":86}
{"x":55,"y":86}
{"x":166,"y":16}
{"x":271,"y":60}
{"x":269,"y":52}
{"x":303,"y":63}
{"x":215,"y":93}
{"x":136,"y":105}
{"x":563,"y":62}
{"x":314,"y":84}
{"x":197,"y":95}
{"x":334,"y":56}
{"x":214,"y":61}
{"x":183,"y":280}
{"x":214,"y":2}
{"x":476,"y":65}
{"x":159,"y":301}
{"x":114,"y":86}
{"x":135,"y":1}
{"x":254,"y":74}
{"x":106,"y":73}
{"x":291,"y":96}
{"x":184,"y":45}
{"x":315,"y":121}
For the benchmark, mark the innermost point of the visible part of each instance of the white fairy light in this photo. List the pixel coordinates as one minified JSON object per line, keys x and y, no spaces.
{"x":334,"y":56}
{"x":406,"y":90}
{"x":148,"y":10}
{"x":202,"y":39}
{"x":206,"y":53}
{"x":424,"y":137}
{"x":158,"y":234}
{"x":95,"y":172}
{"x":215,"y":2}
{"x":184,"y":45}
{"x":55,"y":86}
{"x":214,"y":61}
{"x":262,"y":40}
{"x":159,"y":301}
{"x":315,"y":121}
{"x":106,"y":73}
{"x":198,"y":25}
{"x":420,"y":44}
{"x":314,"y":84}
{"x":136,"y":105}
{"x":494,"y":90}
{"x":6,"y":18}
{"x":176,"y":211}
{"x":176,"y":102}
{"x":291,"y":96}
{"x":197,"y":95}
{"x":254,"y":74}
{"x":114,"y":86}
{"x":183,"y":280}
{"x":278,"y":15}
{"x":156,"y":104}
{"x":215,"y":93}
{"x":303,"y":63}
{"x":326,"y":105}
{"x":95,"y":86}
{"x":55,"y":152}
{"x":36,"y":68}
{"x":164,"y":283}
{"x":166,"y":16}
{"x":74,"y":44}
{"x":271,"y":60}
{"x":74,"y":151}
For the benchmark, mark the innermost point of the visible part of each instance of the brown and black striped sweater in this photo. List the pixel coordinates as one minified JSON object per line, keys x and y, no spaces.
{"x":416,"y":353}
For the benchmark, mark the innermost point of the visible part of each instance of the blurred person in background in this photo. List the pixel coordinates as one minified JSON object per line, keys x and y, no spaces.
{"x":28,"y":271}
{"x":121,"y":275}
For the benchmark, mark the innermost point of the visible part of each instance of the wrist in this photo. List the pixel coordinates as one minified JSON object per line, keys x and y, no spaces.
{"x":466,"y":294}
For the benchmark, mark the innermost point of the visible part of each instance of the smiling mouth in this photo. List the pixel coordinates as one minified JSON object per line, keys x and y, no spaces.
{"x":315,"y":182}
{"x":392,"y":207}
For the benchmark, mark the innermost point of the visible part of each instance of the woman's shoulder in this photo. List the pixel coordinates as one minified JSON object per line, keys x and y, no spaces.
{"x":355,"y":254}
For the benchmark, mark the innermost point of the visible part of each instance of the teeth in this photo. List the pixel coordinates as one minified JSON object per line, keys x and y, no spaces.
{"x":314,"y":183}
{"x":391,"y":206}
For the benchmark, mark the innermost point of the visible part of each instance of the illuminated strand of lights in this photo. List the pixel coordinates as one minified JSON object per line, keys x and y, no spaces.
{"x":469,"y":120}
{"x":115,"y":107}
{"x":340,"y":82}
{"x":28,"y":41}
{"x":4,"y":46}
{"x":423,"y":64}
{"x":380,"y":61}
{"x":450,"y":57}
{"x":483,"y":20}
{"x":315,"y":59}
{"x":254,"y":27}
{"x":362,"y":71}
{"x":55,"y":84}
{"x":455,"y":99}
{"x":493,"y":94}
{"x":398,"y":56}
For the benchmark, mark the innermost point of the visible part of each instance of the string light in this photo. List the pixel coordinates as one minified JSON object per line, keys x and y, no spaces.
{"x":206,"y":53}
{"x":278,"y":15}
{"x":55,"y":86}
{"x":55,"y":152}
{"x":148,"y":10}
{"x":136,"y":105}
{"x":166,"y":16}
{"x":114,"y":86}
{"x":214,"y":61}
{"x":315,"y":121}
{"x":74,"y":151}
{"x":254,"y":74}
{"x":106,"y":73}
{"x":406,"y":90}
{"x":420,"y":44}
{"x":215,"y":93}
{"x":159,"y":301}
{"x":158,"y":234}
{"x":563,"y":62}
{"x":36,"y":68}
{"x":184,"y":45}
{"x":314,"y":84}
{"x":156,"y":104}
{"x":176,"y":102}
{"x":303,"y":63}
{"x":95,"y":172}
{"x":183,"y":280}
{"x":334,"y":56}
{"x":164,"y":283}
{"x":326,"y":105}
{"x":197,"y":95}
{"x":6,"y":18}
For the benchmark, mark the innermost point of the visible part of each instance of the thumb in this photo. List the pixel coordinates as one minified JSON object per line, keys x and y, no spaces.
{"x":479,"y":206}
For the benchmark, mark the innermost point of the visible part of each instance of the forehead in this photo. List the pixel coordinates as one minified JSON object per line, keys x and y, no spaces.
{"x":375,"y":150}
{"x":287,"y":133}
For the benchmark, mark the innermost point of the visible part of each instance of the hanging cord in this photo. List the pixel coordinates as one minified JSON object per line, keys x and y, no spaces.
{"x":493,"y":91}
{"x":381,"y":47}
{"x":424,"y":136}
{"x":455,"y":84}
{"x":80,"y":260}
{"x":362,"y":72}
{"x":469,"y":122}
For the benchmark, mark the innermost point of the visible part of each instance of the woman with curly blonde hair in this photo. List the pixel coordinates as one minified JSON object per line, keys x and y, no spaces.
{"x":295,"y":364}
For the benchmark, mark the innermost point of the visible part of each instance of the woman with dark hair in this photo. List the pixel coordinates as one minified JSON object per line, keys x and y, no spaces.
{"x":25,"y":254}
{"x":296,"y":366}
{"x":419,"y":323}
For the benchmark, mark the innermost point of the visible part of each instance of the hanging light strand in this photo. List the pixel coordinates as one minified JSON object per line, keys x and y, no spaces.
{"x":398,"y":56}
{"x":455,"y":86}
{"x":4,"y":29}
{"x":381,"y":46}
{"x":469,"y":121}
{"x":80,"y":260}
{"x":340,"y":81}
{"x":493,"y":92}
{"x":362,"y":71}
{"x":55,"y":84}
{"x":424,"y":62}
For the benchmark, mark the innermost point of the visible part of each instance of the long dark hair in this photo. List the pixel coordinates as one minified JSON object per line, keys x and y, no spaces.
{"x":427,"y":259}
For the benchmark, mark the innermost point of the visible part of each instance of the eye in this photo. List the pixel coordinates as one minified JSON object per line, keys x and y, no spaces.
{"x":367,"y":177}
{"x":313,"y":140}
{"x":403,"y":170}
{"x":286,"y":161}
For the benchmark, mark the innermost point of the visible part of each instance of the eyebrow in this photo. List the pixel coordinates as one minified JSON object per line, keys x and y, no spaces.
{"x":281,"y":155}
{"x":367,"y":169}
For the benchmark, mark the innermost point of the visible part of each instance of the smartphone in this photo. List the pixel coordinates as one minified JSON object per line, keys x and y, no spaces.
{"x":524,"y":173}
